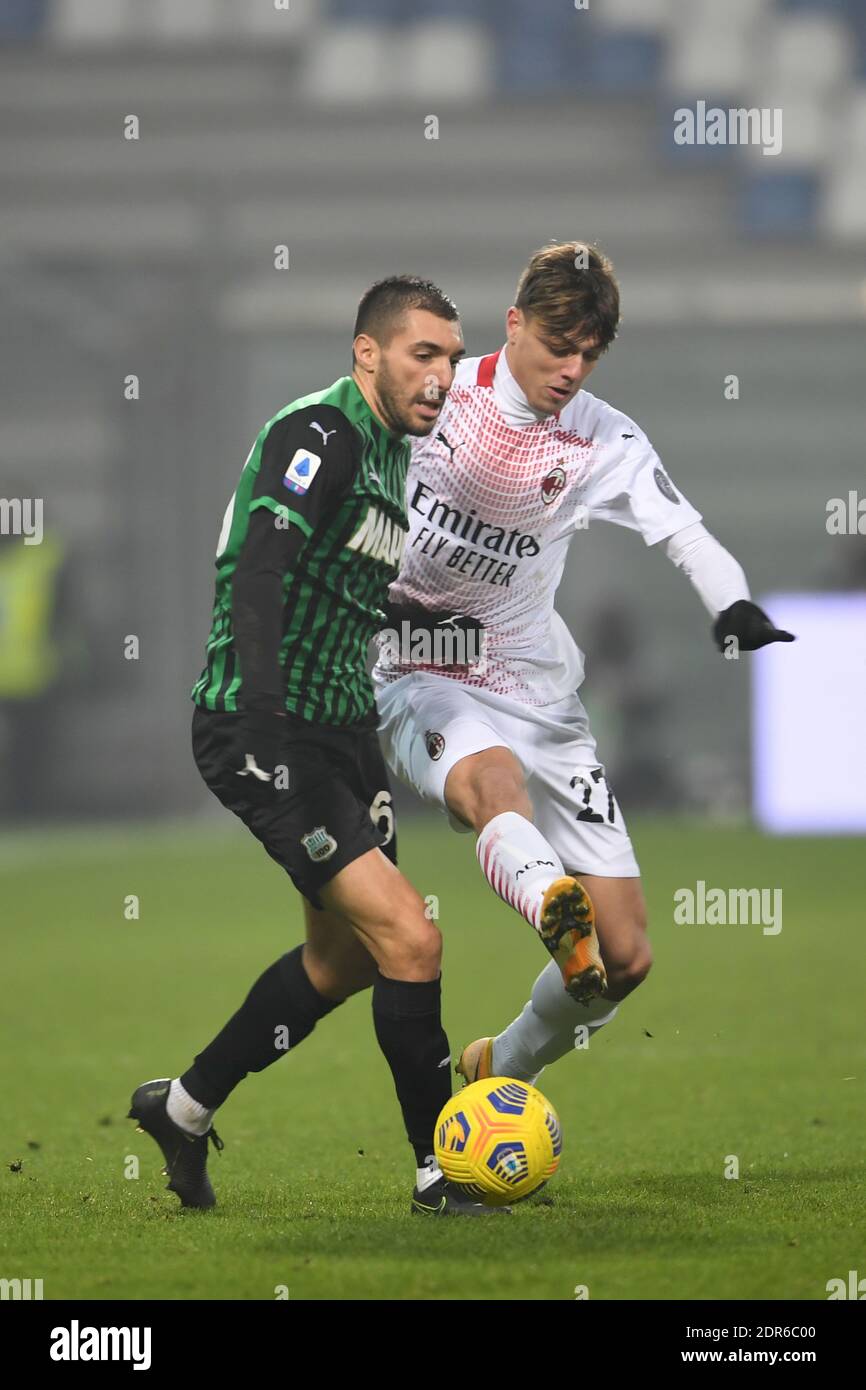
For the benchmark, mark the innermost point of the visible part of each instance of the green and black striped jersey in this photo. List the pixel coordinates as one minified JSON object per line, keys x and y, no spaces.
{"x":310,"y":542}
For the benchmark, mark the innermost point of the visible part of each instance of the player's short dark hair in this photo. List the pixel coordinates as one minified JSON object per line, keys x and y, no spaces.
{"x":570,"y":291}
{"x":386,"y":304}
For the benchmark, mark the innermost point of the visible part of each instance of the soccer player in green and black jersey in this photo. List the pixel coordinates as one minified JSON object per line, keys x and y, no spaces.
{"x":284,"y":732}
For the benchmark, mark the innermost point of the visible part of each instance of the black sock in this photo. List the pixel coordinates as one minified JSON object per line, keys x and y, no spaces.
{"x":282,"y":1008}
{"x":407,"y":1018}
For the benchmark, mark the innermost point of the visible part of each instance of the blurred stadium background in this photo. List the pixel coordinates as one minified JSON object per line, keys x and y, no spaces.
{"x":305,"y":126}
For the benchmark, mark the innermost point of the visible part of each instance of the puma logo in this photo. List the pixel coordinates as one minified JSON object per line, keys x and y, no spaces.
{"x":452,"y":448}
{"x":252,"y":769}
{"x":326,"y":434}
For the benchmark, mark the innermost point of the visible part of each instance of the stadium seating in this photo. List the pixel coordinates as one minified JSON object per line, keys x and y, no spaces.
{"x":807,"y":57}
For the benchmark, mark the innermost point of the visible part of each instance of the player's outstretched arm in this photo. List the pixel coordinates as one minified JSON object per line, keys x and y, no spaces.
{"x":721,"y":584}
{"x":636,"y":491}
{"x":749,"y":625}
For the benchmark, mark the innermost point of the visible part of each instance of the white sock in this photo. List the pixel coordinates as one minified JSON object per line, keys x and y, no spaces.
{"x":186,"y":1112}
{"x":545,"y":1030}
{"x":430,"y":1173}
{"x":518,"y":863}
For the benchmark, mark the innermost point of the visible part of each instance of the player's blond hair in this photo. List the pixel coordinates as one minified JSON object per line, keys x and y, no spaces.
{"x":570,"y":292}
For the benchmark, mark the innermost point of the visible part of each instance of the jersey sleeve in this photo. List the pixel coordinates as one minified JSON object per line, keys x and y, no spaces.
{"x":308,"y":461}
{"x":717,"y":577}
{"x":296,"y":488}
{"x":634,"y":490}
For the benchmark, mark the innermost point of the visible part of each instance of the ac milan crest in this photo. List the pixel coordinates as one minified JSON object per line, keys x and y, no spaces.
{"x":435,"y":744}
{"x":552,"y":485}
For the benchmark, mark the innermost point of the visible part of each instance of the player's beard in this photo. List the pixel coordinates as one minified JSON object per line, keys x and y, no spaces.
{"x":394,"y":405}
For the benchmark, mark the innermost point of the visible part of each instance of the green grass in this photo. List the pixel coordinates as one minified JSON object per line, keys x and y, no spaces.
{"x":738,"y":1043}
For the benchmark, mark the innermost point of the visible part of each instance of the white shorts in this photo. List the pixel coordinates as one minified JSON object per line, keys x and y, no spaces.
{"x":427,"y":723}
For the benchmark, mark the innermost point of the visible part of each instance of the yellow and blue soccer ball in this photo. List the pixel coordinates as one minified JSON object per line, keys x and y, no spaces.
{"x":498,"y":1139}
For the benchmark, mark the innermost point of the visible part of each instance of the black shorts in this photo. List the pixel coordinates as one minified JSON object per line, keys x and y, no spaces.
{"x":337,"y":805}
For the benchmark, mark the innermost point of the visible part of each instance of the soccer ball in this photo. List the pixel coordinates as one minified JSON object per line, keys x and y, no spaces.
{"x":498,"y":1139}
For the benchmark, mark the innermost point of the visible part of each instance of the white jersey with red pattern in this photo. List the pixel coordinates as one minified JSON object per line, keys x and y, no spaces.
{"x":495,"y":494}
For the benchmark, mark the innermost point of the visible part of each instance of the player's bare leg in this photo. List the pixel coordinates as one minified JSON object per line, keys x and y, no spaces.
{"x":621,"y":923}
{"x":552,"y":1025}
{"x":392,"y":926}
{"x":373,"y":930}
{"x":483,"y":785}
{"x":337,"y":962}
{"x":387,"y":916}
{"x":487,"y":791}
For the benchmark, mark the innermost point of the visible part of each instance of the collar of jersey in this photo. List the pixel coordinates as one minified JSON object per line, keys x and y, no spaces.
{"x":510,"y":398}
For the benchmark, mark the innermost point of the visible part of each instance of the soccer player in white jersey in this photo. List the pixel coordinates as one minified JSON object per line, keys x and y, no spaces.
{"x":522,"y":459}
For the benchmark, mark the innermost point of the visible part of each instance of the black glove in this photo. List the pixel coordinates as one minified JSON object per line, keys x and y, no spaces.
{"x":259,"y":745}
{"x":428,"y":619}
{"x":750,"y":625}
{"x":433,"y":621}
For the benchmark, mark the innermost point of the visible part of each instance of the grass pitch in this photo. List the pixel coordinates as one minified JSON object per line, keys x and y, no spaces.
{"x":739,"y":1043}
